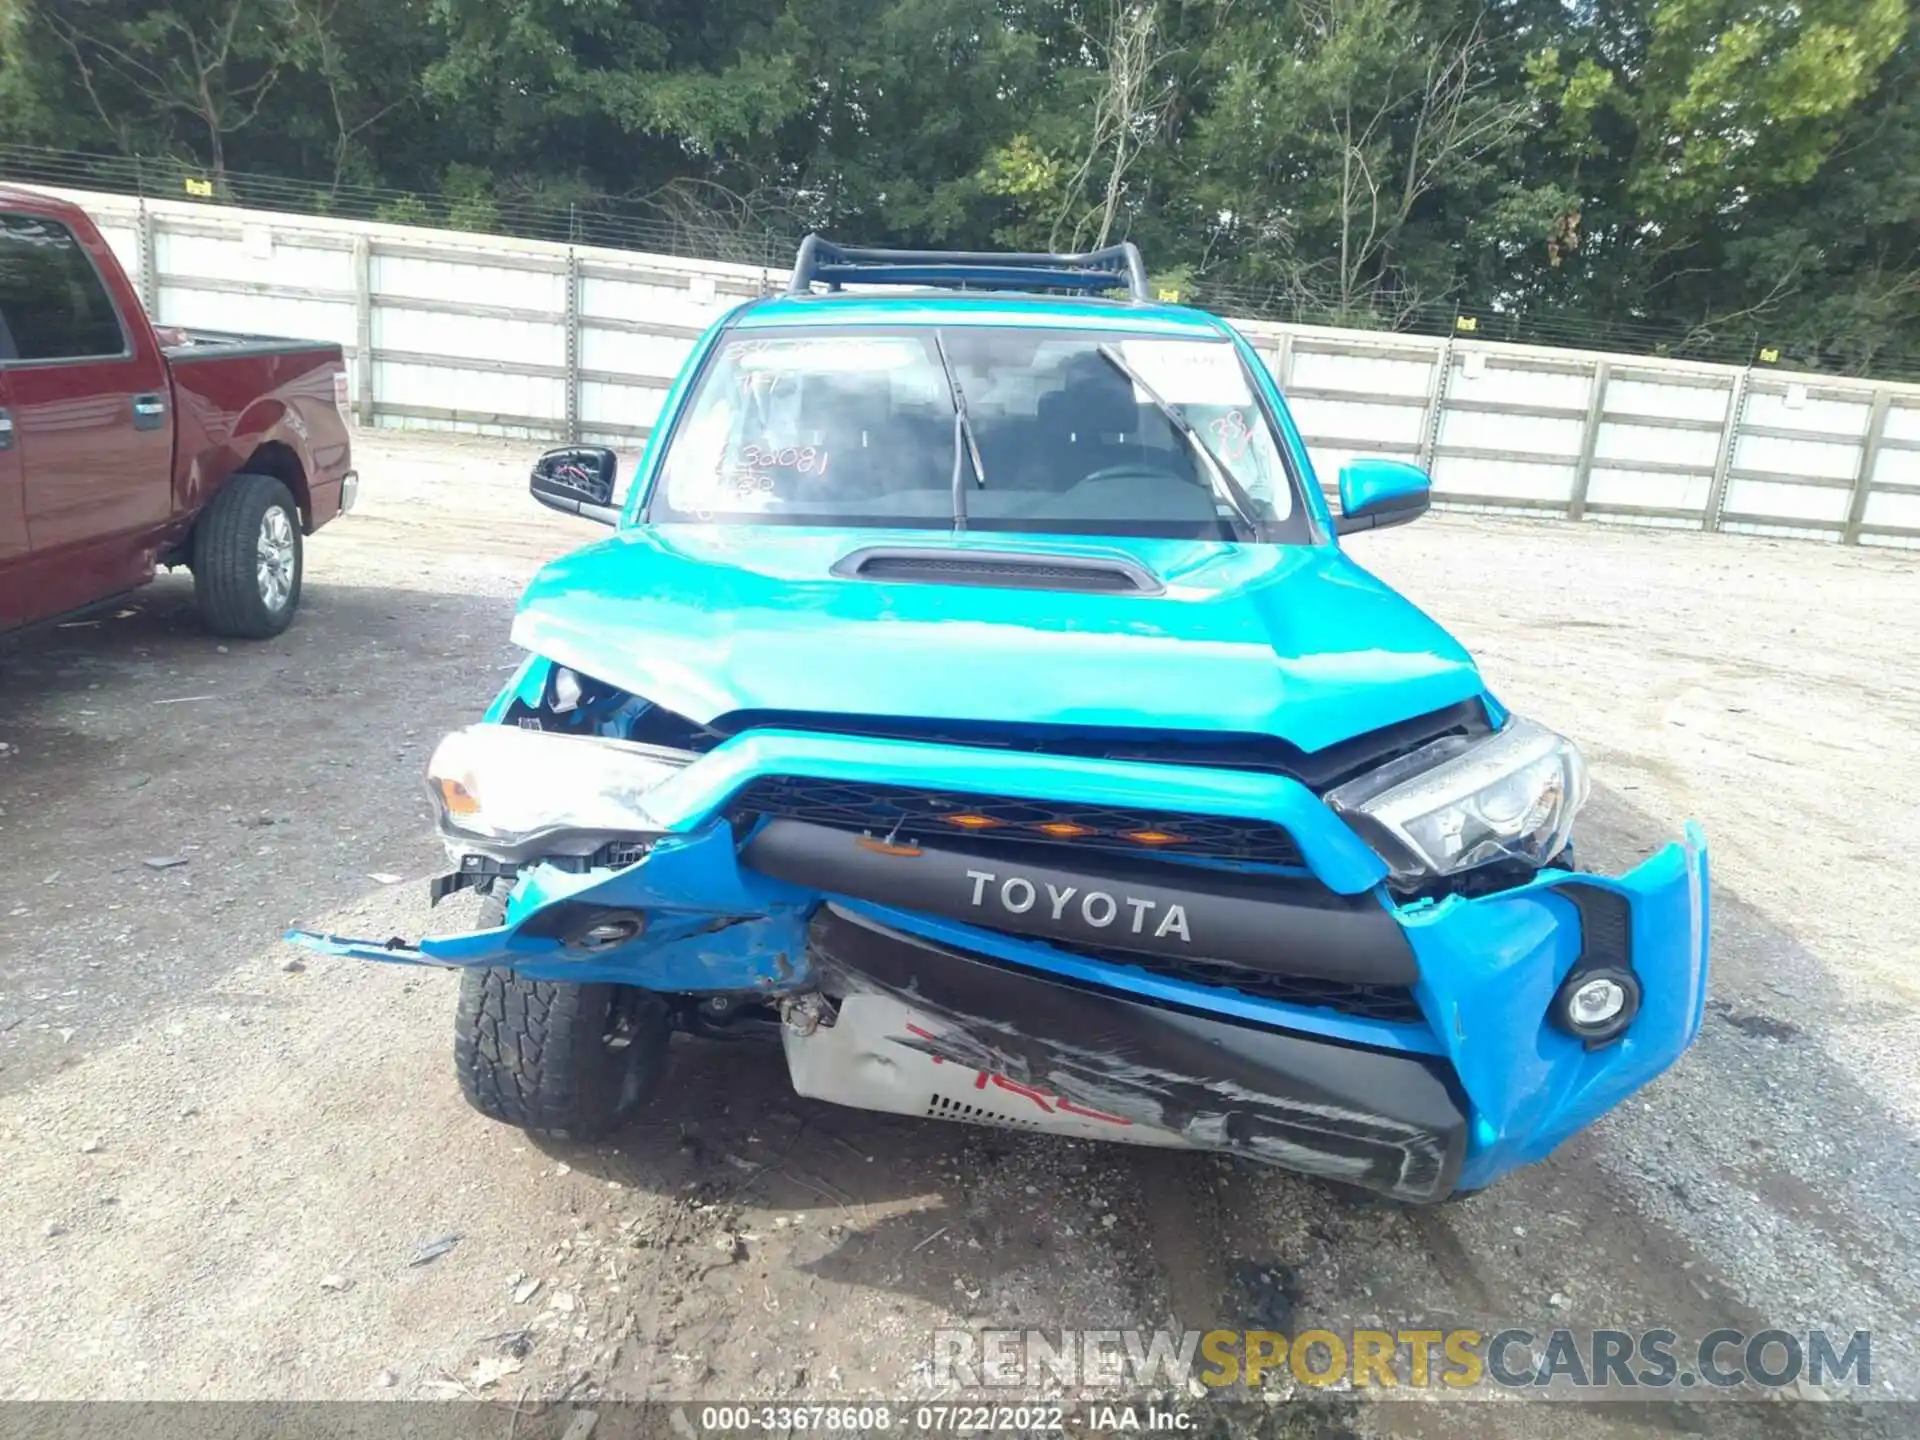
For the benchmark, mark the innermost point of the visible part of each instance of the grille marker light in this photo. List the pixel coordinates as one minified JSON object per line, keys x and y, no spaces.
{"x":886,"y":847}
{"x":1152,"y":837}
{"x":1065,"y":830}
{"x":972,"y":822}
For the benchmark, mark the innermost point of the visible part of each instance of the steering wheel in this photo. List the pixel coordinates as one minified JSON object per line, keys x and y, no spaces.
{"x":1136,"y":469}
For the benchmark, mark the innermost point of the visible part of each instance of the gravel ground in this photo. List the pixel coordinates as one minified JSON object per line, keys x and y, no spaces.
{"x":219,"y":1161}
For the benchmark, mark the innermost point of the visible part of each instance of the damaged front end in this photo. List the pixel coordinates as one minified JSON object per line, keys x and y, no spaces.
{"x":1093,"y":939}
{"x":925,"y":1028}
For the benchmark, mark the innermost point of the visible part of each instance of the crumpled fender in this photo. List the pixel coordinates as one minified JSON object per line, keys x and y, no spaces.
{"x":711,"y":926}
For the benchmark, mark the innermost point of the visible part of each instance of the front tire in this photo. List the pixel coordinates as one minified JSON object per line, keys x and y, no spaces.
{"x":247,"y":559}
{"x":573,"y":1061}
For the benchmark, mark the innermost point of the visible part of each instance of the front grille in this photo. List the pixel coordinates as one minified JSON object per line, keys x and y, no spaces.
{"x":901,"y":812}
{"x":1393,"y":1003}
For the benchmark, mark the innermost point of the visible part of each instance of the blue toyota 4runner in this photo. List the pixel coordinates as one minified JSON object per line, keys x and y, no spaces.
{"x":974,"y":695}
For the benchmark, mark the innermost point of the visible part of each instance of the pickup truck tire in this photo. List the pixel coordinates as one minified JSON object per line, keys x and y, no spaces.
{"x":573,"y":1061}
{"x":247,"y":559}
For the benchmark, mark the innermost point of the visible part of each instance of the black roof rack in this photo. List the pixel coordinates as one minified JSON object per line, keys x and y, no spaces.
{"x":1118,"y":267}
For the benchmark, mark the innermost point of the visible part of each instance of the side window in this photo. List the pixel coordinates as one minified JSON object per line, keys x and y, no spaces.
{"x":52,"y":304}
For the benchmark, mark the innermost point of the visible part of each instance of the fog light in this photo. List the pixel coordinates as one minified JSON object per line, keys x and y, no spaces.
{"x":1596,"y":1001}
{"x":1597,"y":1005}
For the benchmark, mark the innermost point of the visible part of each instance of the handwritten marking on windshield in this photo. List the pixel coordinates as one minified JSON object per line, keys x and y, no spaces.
{"x":751,"y":473}
{"x":1233,"y":434}
{"x":807,"y":459}
{"x":746,"y":484}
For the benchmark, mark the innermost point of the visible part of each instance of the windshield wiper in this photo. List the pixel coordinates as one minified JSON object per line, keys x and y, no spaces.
{"x":965,"y":445}
{"x":1219,"y":479}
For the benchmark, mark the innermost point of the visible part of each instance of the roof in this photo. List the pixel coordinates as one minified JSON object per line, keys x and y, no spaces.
{"x":977,"y":307}
{"x":38,"y":199}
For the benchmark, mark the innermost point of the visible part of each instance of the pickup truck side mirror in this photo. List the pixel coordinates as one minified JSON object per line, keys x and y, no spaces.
{"x":577,"y":481}
{"x":1377,"y":493}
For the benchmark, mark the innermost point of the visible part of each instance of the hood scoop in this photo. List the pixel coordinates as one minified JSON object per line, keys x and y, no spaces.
{"x":1001,"y":569}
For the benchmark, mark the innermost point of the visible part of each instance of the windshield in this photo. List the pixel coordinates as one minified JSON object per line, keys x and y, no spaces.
{"x":857,"y":427}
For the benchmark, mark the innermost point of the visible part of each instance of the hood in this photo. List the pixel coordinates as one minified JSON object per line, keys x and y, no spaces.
{"x":1292,"y":641}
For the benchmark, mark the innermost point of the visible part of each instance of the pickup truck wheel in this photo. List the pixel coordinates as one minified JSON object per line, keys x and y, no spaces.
{"x":567,"y":1060}
{"x":573,"y":1061}
{"x":247,"y":558}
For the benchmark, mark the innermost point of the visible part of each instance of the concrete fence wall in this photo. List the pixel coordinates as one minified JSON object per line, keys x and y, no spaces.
{"x":524,"y":338}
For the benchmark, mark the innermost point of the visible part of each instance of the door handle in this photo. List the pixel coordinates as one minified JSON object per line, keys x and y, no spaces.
{"x":6,"y":429}
{"x":149,"y":412}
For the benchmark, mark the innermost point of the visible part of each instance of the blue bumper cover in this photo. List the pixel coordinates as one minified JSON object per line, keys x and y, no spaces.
{"x":1488,"y":967}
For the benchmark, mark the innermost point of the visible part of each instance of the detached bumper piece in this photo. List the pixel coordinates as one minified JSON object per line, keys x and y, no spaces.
{"x":926,"y":1029}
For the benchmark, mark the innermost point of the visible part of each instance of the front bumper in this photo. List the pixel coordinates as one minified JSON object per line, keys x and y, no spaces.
{"x":1482,"y":971}
{"x":1123,"y":1069}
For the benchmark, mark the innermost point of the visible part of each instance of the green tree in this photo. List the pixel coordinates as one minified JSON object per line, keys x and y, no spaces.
{"x":1688,"y":133}
{"x":1695,"y":175}
{"x":1346,"y":155}
{"x":574,"y":82}
{"x":908,"y":99}
{"x":351,"y":107}
{"x":187,"y":77}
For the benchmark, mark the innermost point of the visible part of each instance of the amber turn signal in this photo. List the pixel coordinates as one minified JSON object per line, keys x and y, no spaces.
{"x":459,"y":800}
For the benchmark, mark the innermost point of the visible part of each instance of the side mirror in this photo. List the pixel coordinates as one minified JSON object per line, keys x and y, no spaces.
{"x":1377,"y":493}
{"x":577,"y":481}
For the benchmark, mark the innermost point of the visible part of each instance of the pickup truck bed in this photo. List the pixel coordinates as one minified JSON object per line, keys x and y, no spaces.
{"x":125,"y":446}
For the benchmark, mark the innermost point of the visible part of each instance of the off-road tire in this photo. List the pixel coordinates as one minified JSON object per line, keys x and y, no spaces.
{"x":228,"y":560}
{"x":537,"y":1054}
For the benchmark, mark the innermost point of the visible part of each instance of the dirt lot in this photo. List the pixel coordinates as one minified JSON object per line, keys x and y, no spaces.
{"x":217,"y":1164}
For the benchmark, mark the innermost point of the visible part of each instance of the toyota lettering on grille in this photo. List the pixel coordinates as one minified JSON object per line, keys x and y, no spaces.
{"x":1017,"y":895}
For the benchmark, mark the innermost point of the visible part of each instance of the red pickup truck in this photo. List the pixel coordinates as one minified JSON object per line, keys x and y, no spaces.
{"x":124,"y":447}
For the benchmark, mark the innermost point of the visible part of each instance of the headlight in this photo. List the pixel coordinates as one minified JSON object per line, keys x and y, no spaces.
{"x":499,"y":788}
{"x":1458,"y":803}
